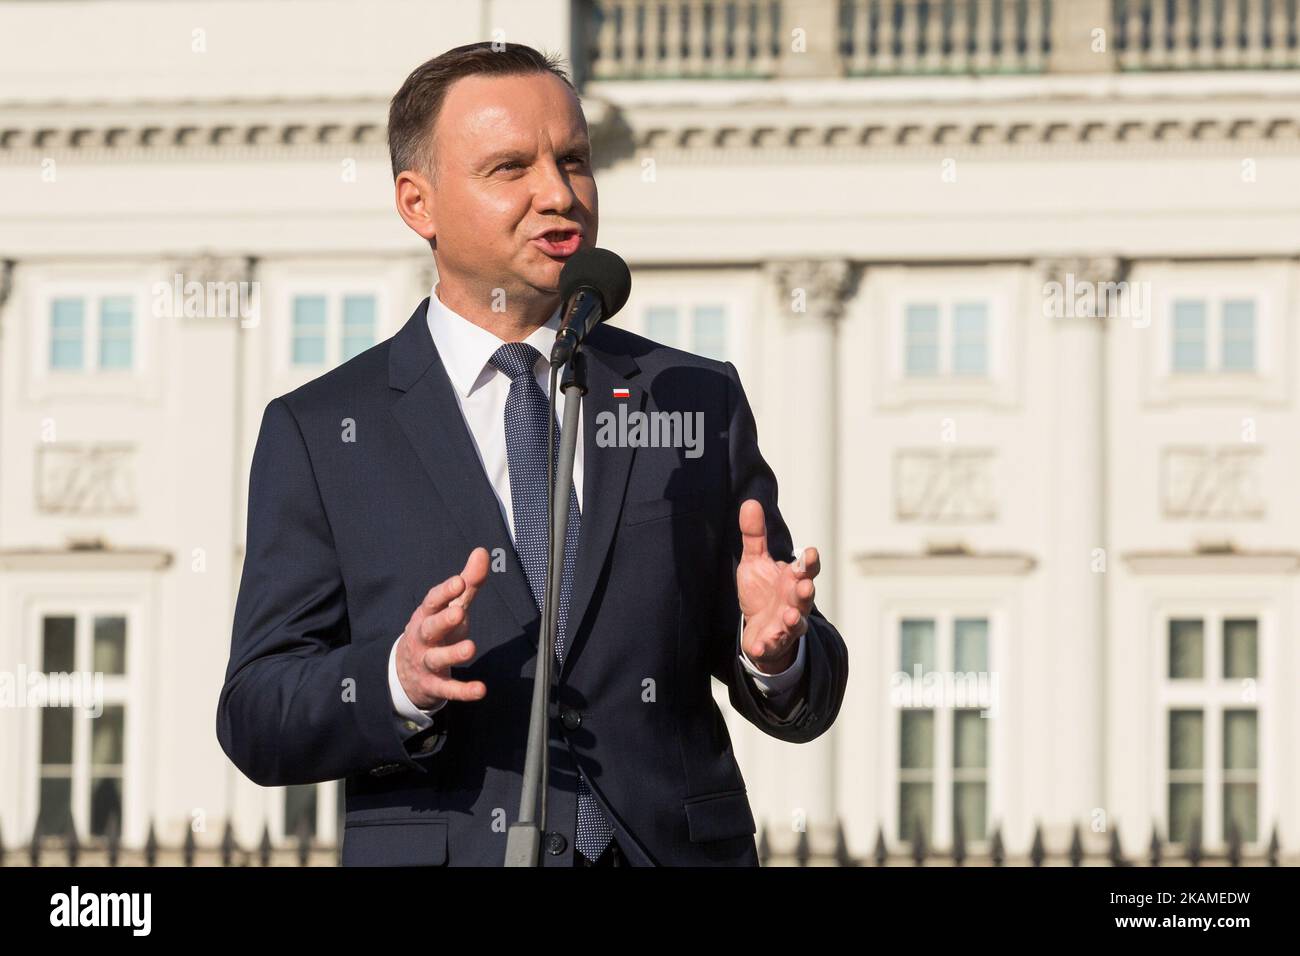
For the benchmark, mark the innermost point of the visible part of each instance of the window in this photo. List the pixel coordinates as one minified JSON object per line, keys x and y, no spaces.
{"x":1212,"y":727}
{"x":943,"y":745}
{"x":115,"y":332}
{"x":317,"y":808}
{"x":922,"y":343}
{"x":1213,"y":335}
{"x":300,"y":810}
{"x":948,"y":339}
{"x":108,"y":342}
{"x":67,"y":333}
{"x":329,"y":329}
{"x":82,"y":756}
{"x":358,"y":324}
{"x":705,"y":331}
{"x":309,"y":330}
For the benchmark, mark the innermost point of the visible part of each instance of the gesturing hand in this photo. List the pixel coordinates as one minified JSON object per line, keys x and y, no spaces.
{"x":435,"y":639}
{"x":775,"y":596}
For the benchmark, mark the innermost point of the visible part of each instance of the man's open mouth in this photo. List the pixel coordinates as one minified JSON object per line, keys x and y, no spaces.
{"x":559,"y":243}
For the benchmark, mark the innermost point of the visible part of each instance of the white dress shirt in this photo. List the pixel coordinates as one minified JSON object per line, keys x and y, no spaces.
{"x":481,"y":391}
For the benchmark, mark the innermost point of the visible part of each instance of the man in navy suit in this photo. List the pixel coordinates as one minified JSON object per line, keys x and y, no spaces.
{"x":417,"y":462}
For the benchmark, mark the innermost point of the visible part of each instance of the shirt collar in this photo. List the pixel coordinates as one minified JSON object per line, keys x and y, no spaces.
{"x":465,"y":348}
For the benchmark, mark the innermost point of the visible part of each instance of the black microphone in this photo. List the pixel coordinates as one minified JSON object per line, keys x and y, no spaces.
{"x":598,"y":282}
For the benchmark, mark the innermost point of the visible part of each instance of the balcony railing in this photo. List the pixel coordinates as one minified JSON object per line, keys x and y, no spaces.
{"x":944,"y":36}
{"x":636,"y":39}
{"x":1206,"y":34}
{"x":753,"y":39}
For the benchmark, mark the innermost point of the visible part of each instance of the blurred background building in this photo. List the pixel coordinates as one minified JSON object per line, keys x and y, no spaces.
{"x":1013,"y":286}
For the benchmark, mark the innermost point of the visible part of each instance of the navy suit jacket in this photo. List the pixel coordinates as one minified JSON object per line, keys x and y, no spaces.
{"x":345,"y":537}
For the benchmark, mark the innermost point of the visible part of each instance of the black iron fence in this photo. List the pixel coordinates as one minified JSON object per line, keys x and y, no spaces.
{"x":303,"y":849}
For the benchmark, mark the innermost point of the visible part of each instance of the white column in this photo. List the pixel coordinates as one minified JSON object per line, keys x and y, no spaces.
{"x":808,"y":299}
{"x":1076,"y":630}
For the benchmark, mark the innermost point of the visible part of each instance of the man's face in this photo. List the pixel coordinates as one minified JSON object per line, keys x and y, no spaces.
{"x":513,"y":161}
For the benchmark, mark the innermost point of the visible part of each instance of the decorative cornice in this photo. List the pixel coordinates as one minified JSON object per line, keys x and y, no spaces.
{"x":89,"y":559}
{"x":748,"y":130}
{"x":1064,"y":130}
{"x":880,"y":563}
{"x":1213,"y":562}
{"x":193,"y":129}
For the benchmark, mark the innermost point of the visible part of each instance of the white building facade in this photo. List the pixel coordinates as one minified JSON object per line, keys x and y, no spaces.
{"x":1014,"y":292}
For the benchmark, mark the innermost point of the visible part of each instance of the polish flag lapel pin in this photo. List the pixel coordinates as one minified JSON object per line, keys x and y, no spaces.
{"x":622,"y":393}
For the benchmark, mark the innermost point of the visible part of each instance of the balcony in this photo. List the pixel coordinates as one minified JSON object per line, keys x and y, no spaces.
{"x":758,"y":39}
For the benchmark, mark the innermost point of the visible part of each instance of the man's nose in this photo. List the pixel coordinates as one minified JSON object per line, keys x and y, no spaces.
{"x":553,"y":189}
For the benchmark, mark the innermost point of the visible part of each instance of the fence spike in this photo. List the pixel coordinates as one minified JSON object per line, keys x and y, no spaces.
{"x":1194,"y":842}
{"x":958,"y":841}
{"x":1116,"y":854}
{"x":1274,"y":847}
{"x":228,"y":845}
{"x":1036,"y":852}
{"x":73,"y":845}
{"x":188,"y":847}
{"x":842,"y":855}
{"x":1154,"y":852}
{"x":918,"y":843}
{"x":881,"y":852}
{"x":764,"y":847}
{"x":304,"y":841}
{"x":996,"y":850}
{"x":1076,"y":845}
{"x":264,"y":848}
{"x":151,"y":846}
{"x":1234,"y":844}
{"x":803,"y":849}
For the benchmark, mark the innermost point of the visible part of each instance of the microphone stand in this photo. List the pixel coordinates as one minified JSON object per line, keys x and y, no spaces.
{"x":524,"y":838}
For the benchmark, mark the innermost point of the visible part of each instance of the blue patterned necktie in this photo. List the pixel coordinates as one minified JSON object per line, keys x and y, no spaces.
{"x":527,"y":411}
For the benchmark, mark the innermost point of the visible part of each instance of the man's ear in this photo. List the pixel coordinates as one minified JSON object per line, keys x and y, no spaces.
{"x":414,"y":197}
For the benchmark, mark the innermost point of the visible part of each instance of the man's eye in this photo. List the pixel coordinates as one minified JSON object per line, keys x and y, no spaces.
{"x":504,"y":166}
{"x":578,"y":158}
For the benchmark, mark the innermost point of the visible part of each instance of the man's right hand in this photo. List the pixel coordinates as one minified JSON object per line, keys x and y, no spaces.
{"x":436,"y":639}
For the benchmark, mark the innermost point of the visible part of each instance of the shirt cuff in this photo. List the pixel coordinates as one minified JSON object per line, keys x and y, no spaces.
{"x":772,"y":684}
{"x":423,"y":719}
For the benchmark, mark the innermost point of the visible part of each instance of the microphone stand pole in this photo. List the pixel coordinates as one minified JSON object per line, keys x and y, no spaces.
{"x":524,"y":838}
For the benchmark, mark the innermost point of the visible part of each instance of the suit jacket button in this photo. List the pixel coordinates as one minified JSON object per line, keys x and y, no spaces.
{"x":571,"y":719}
{"x":555,"y":843}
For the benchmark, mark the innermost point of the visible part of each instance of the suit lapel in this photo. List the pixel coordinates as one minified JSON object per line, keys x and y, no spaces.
{"x":433,"y":424}
{"x":436,"y":429}
{"x":604,"y":472}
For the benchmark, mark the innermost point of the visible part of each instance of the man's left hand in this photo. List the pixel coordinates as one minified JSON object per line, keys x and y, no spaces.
{"x":775,"y":596}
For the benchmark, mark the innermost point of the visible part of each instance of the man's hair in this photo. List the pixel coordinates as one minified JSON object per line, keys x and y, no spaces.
{"x":415,"y":107}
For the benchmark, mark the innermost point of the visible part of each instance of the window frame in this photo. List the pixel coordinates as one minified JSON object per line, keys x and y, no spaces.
{"x":123,"y":690}
{"x":330,"y":797}
{"x":1005,"y":292}
{"x":741,"y":292}
{"x":1212,"y":694}
{"x":944,"y":774}
{"x":92,"y":381}
{"x":1266,"y":282}
{"x":334,"y":289}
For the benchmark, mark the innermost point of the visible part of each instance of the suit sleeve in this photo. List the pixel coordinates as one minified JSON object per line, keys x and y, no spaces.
{"x":304,"y":700}
{"x":826,"y":669}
